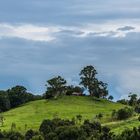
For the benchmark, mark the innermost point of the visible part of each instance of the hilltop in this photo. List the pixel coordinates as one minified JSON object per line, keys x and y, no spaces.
{"x":34,"y":112}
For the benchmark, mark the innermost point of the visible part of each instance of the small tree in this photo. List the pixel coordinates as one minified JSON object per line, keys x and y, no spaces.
{"x":56,"y":86}
{"x":110,"y":97}
{"x":79,"y":118}
{"x":122,"y":113}
{"x":99,"y":116}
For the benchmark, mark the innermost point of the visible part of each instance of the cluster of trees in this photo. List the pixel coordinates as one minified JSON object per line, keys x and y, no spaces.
{"x":133,"y":101}
{"x":14,"y":97}
{"x":59,"y":129}
{"x":57,"y":86}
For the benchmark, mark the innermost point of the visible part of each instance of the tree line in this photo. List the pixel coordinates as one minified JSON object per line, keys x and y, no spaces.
{"x":14,"y":97}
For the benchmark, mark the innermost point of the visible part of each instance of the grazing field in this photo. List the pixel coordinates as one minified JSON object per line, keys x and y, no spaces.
{"x":31,"y":114}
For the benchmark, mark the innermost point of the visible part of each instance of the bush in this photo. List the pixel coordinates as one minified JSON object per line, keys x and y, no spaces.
{"x":15,"y":136}
{"x":48,"y":126}
{"x":99,"y":116}
{"x":129,"y":134}
{"x":123,"y":113}
{"x":70,"y":133}
{"x":91,"y":128}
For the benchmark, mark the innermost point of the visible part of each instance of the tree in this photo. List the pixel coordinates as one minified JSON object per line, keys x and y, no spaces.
{"x":133,"y":99}
{"x":19,"y":95}
{"x":122,"y":113}
{"x":110,"y":97}
{"x":4,"y":101}
{"x":88,"y":79}
{"x":55,"y":87}
{"x":91,"y":83}
{"x":102,"y":89}
{"x":79,"y":118}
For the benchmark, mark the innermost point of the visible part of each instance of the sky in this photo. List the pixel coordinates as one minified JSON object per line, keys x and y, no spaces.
{"x":40,"y":39}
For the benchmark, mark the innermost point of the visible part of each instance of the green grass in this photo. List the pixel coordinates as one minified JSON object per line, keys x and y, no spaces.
{"x":34,"y":112}
{"x":118,"y":126}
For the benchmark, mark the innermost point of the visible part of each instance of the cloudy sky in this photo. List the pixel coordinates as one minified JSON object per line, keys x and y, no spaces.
{"x":40,"y":39}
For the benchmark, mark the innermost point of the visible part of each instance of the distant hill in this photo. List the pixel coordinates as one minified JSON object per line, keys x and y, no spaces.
{"x":32,"y":113}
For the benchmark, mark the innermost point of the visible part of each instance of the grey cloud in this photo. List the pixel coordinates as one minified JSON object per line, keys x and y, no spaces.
{"x":126,"y":28}
{"x":67,"y":12}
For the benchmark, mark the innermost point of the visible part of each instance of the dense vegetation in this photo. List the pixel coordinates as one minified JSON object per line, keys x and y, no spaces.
{"x":59,"y":129}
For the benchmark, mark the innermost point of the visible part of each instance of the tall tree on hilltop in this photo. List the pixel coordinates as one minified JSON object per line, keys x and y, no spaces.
{"x":55,"y":87}
{"x":91,"y":83}
{"x":88,"y":79}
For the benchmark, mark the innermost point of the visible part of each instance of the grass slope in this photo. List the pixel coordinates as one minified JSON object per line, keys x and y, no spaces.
{"x":34,"y":112}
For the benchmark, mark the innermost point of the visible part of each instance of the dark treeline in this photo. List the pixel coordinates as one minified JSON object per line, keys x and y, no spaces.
{"x":14,"y":97}
{"x":59,"y":129}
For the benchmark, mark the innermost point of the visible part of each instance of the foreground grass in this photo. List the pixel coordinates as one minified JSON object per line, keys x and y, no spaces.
{"x":32,"y":114}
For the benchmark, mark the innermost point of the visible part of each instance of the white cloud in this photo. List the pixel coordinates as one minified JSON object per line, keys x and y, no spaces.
{"x":111,"y":28}
{"x":48,"y":33}
{"x":28,"y":32}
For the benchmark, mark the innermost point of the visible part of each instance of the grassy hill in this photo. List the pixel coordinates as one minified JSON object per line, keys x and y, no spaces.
{"x":34,"y":112}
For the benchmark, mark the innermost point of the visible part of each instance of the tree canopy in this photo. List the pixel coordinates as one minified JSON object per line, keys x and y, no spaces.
{"x":55,"y":87}
{"x":91,"y":83}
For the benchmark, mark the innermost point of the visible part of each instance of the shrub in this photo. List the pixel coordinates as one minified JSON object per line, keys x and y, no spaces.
{"x":91,"y":128}
{"x":79,"y":118}
{"x":123,"y":113}
{"x":70,"y":133}
{"x":14,"y":136}
{"x":48,"y":126}
{"x":99,"y":116}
